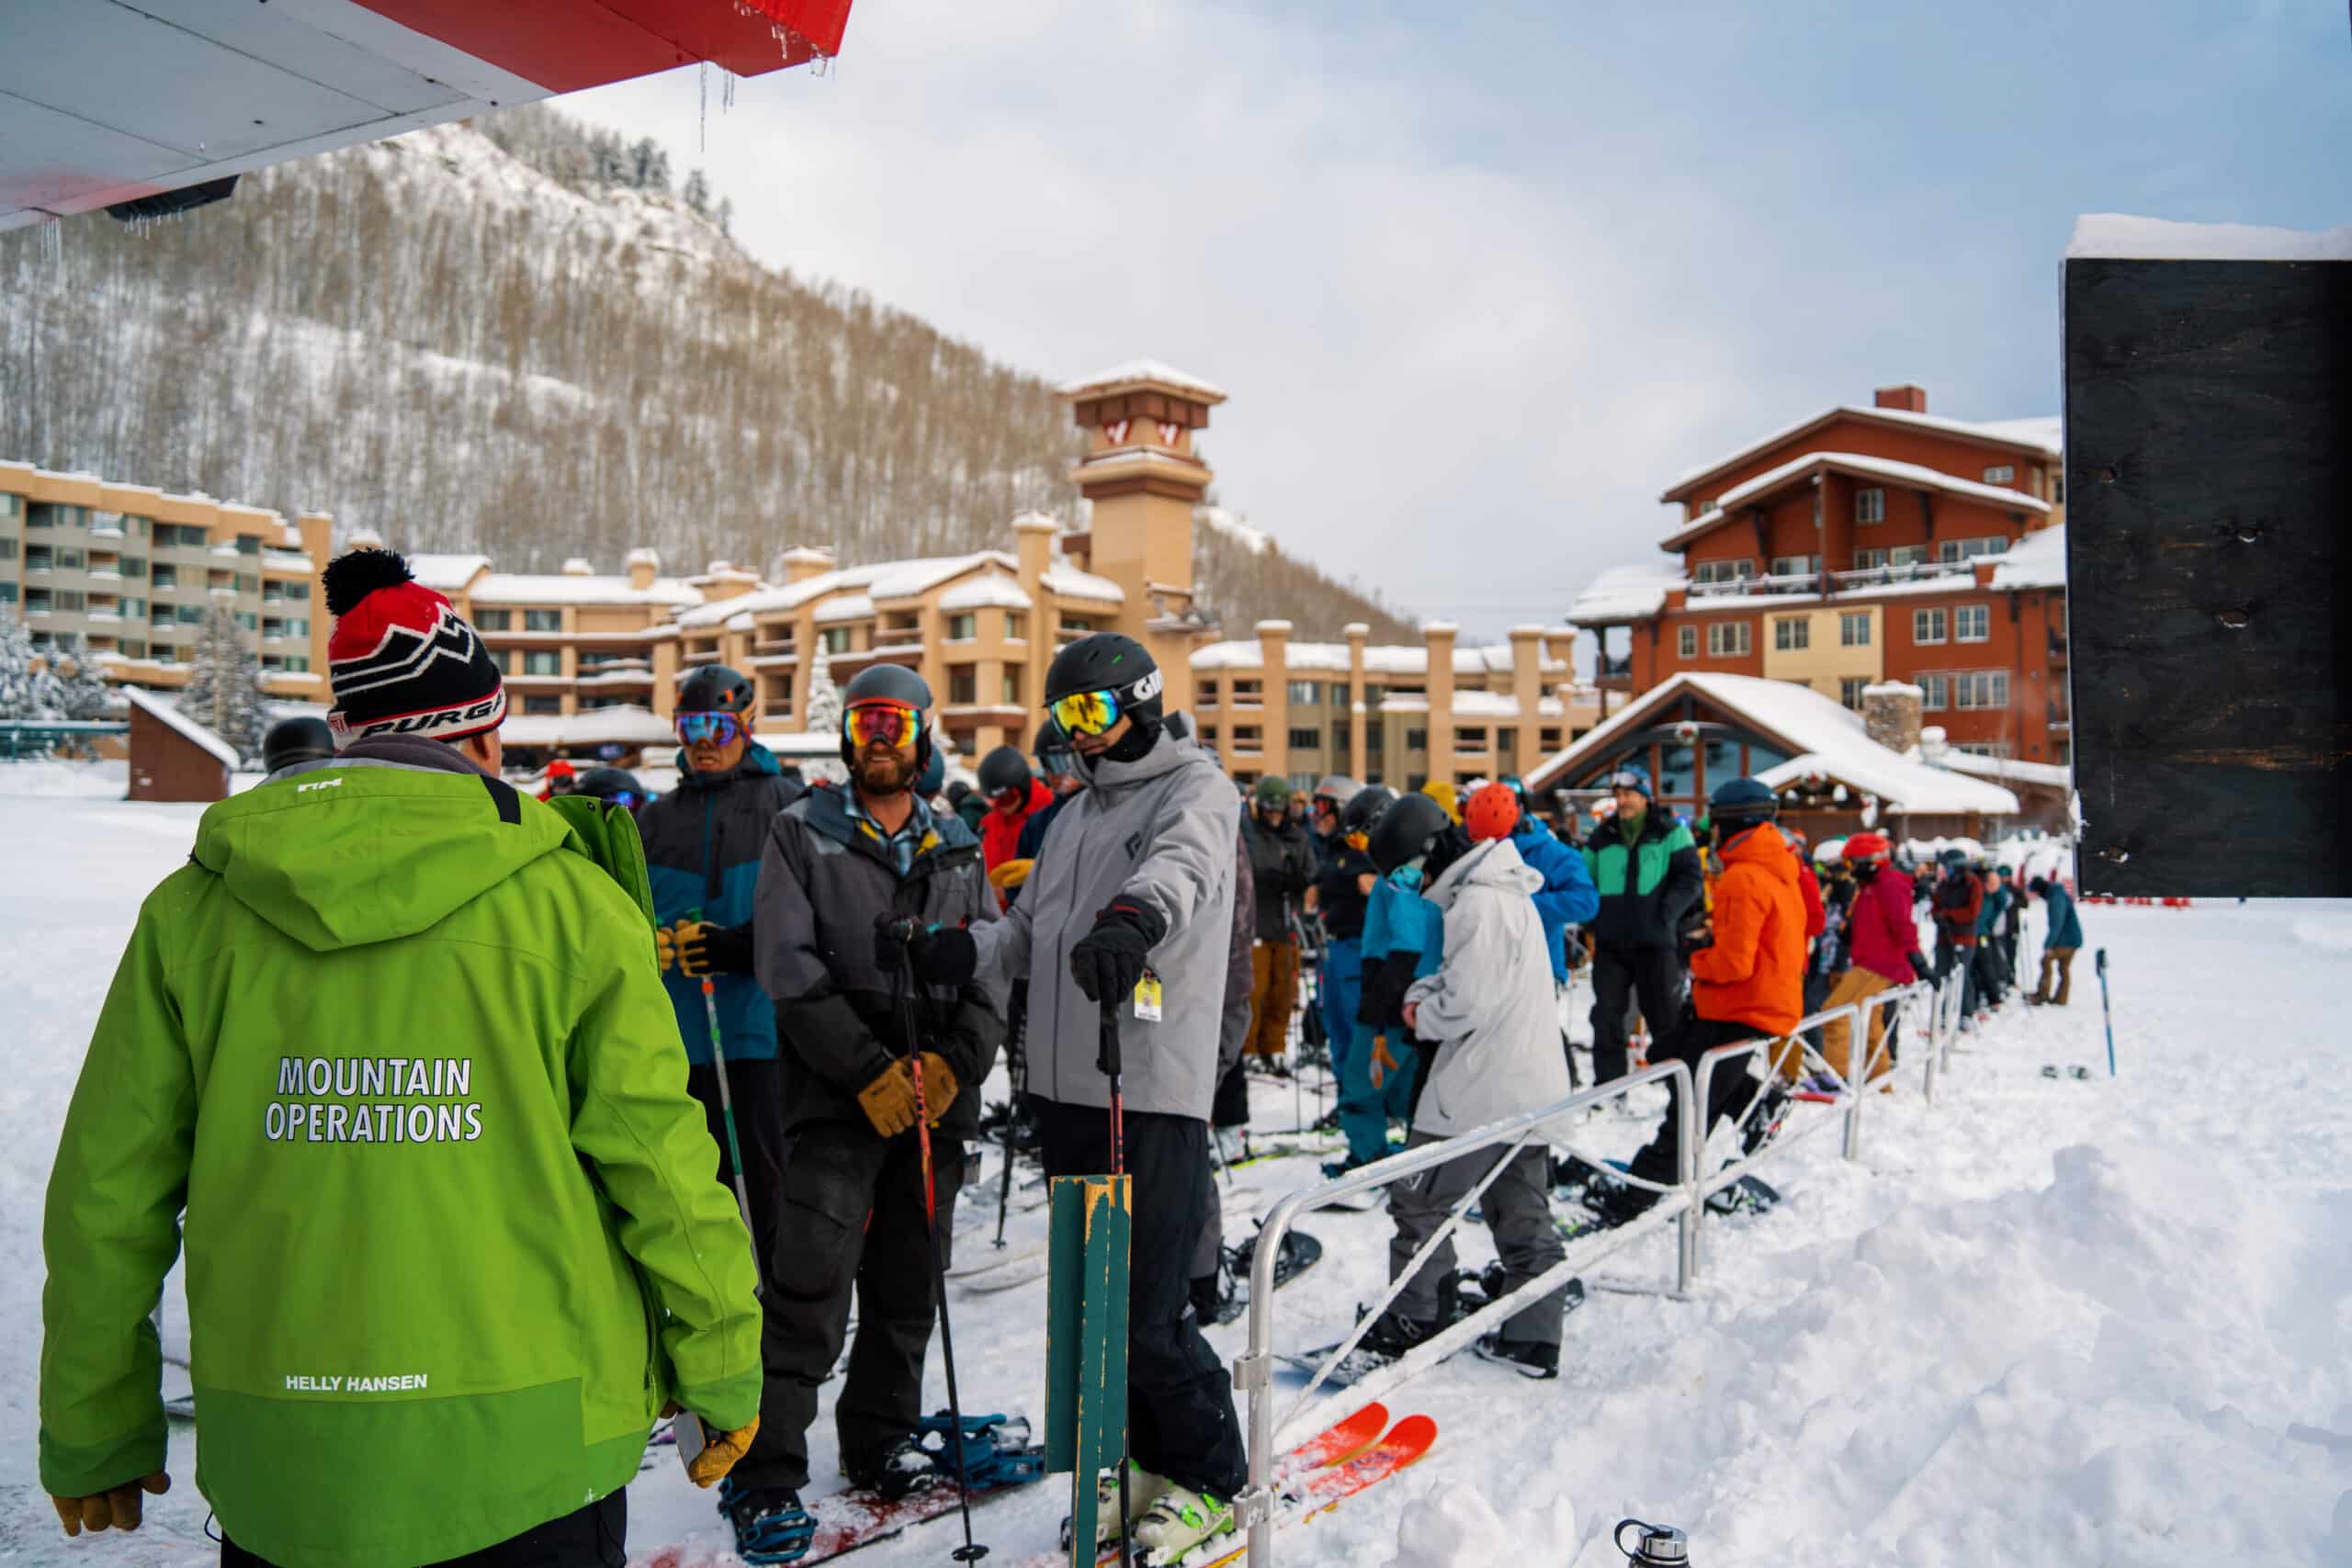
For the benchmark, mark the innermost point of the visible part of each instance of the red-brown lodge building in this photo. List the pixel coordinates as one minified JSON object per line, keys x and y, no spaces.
{"x":1860,"y":545}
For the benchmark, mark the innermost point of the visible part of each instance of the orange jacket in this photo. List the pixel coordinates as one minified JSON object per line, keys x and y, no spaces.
{"x":1755,"y":972}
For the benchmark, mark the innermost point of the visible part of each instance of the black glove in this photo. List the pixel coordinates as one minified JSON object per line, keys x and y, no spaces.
{"x":1918,"y":965}
{"x":1109,"y":960}
{"x":945,"y":956}
{"x":704,"y":948}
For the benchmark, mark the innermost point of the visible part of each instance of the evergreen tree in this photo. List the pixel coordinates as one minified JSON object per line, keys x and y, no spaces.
{"x":21,"y":672}
{"x":697,"y":191}
{"x":82,"y":687}
{"x":224,"y":692}
{"x":824,"y":698}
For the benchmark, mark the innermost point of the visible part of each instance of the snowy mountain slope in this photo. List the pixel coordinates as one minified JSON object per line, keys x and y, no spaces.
{"x":2043,"y":1322}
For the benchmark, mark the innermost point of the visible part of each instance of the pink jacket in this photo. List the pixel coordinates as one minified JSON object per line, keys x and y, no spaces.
{"x":1882,"y":931}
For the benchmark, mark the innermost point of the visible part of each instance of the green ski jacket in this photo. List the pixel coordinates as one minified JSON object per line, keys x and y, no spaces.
{"x":404,"y":1060}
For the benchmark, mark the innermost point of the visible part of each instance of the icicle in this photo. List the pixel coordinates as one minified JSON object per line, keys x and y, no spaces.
{"x":702,"y":89}
{"x":52,"y":244}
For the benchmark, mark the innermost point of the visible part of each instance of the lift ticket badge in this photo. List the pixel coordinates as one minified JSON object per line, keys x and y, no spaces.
{"x":1147,"y":998}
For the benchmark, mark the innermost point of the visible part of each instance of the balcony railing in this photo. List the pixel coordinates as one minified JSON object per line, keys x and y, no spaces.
{"x":1913,"y":571}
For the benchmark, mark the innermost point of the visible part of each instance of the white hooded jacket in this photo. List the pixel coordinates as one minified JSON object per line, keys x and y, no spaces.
{"x":1491,"y":1006}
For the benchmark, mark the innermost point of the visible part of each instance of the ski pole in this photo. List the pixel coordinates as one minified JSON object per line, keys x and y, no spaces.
{"x":1108,"y":1060}
{"x":905,"y":987}
{"x":725,"y":1101}
{"x":2107,"y":1007}
{"x":1016,"y":1074}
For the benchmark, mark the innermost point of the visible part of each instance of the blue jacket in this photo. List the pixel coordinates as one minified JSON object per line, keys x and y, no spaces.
{"x":1568,"y":896}
{"x":1994,"y":912}
{"x":702,"y":851}
{"x":2065,"y":926}
{"x":1403,"y":941}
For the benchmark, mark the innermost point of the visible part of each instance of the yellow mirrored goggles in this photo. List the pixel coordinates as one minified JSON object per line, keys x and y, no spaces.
{"x":1085,"y":713}
{"x":892,"y":724}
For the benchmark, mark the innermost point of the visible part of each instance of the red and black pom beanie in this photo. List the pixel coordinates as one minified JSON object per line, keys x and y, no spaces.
{"x":400,"y":659}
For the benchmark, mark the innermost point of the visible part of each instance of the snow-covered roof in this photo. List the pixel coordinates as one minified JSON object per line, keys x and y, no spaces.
{"x":2037,"y":560}
{"x":1384,"y":659}
{"x":847,"y":607}
{"x":1908,"y":474}
{"x":880,"y":579}
{"x":989,"y":591}
{"x":625,"y":723}
{"x":2118,"y":235}
{"x":1484,"y":704}
{"x":577,"y":588}
{"x":1825,"y":736}
{"x":147,"y":702}
{"x":1067,"y":580}
{"x":2054,"y":774}
{"x":1624,"y":593}
{"x":446,"y":574}
{"x":1136,"y":371}
{"x":2039,"y":433}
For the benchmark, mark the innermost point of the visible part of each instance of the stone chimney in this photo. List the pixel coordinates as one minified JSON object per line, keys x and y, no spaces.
{"x":1891,"y":713}
{"x":804,"y":561}
{"x":1905,"y":397}
{"x":644,"y":565}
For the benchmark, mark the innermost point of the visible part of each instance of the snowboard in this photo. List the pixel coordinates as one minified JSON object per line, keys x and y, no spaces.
{"x":1468,"y":1293}
{"x":848,"y":1520}
{"x":1300,"y":1253}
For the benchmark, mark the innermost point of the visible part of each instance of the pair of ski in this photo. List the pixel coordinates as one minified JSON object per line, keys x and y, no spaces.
{"x":1343,"y":1460}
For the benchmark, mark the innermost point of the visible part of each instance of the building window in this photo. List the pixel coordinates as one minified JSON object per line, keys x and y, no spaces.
{"x":1728,"y":639}
{"x":1791,"y":633}
{"x":1866,"y":560}
{"x":1204,"y":693}
{"x":543,"y":620}
{"x":1469,"y":740}
{"x":248,"y":622}
{"x":1934,"y":693}
{"x":542,"y":705}
{"x":165,"y":576}
{"x":1375,"y":736}
{"x":1306,"y":693}
{"x":964,"y":628}
{"x":1981,"y":689}
{"x":1209,"y":735}
{"x":70,"y":558}
{"x":1869,"y":506}
{"x":1077,"y":625}
{"x":1686,"y":641}
{"x":131,"y":648}
{"x":37,"y":601}
{"x":1245,"y":738}
{"x":543,"y":661}
{"x":2001,"y":474}
{"x":484,"y":620}
{"x":835,"y":639}
{"x":1850,"y":689}
{"x":1907,"y":555}
{"x":1016,"y":627}
{"x":1927,"y":626}
{"x":963,"y":685}
{"x":1795,"y":566}
{"x":1306,"y":740}
{"x":8,"y":547}
{"x":504,"y":659}
{"x":1013,"y":689}
{"x":1853,"y":628}
{"x":132,"y":565}
{"x":1983,"y":749}
{"x":134,"y":609}
{"x":1417,"y":741}
{"x":1722,"y":571}
{"x":188,"y":615}
{"x":298,"y":592}
{"x":1972,"y":622}
{"x":7,"y":593}
{"x":39,"y":557}
{"x":1951,"y":551}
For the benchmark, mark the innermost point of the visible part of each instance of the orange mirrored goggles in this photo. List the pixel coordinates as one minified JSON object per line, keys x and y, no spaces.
{"x":892,"y":724}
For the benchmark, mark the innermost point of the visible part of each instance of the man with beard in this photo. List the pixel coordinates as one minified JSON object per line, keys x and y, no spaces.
{"x":855,"y":1214}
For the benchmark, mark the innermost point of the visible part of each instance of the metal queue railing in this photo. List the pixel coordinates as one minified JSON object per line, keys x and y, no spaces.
{"x":1682,"y":1204}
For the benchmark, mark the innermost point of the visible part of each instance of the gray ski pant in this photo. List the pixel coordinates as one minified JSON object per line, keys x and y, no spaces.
{"x":1518,"y":1209}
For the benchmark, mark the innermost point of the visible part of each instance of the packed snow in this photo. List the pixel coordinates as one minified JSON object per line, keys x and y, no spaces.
{"x":2042,"y":1321}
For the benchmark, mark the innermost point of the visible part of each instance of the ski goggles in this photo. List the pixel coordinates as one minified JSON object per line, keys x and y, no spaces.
{"x":890,"y":724}
{"x":1628,"y":779}
{"x":719,"y":728}
{"x":1085,"y":713}
{"x":627,"y":799}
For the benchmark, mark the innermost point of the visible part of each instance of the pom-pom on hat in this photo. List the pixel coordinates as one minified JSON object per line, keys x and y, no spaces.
{"x":401,"y":660}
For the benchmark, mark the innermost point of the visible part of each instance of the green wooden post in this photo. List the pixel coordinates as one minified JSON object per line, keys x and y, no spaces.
{"x":1086,"y":1341}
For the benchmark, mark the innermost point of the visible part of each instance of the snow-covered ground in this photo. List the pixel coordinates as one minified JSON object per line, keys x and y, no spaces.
{"x":2043,"y":1322}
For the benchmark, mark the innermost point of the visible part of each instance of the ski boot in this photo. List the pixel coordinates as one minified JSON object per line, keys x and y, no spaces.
{"x":770,"y":1524}
{"x":899,"y":1471}
{"x":1178,"y":1521}
{"x":1392,"y":1335}
{"x":1764,"y":1124}
{"x":1144,"y":1489}
{"x":1524,"y":1357}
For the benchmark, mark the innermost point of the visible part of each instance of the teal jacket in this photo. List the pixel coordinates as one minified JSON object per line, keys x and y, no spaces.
{"x":394,"y":1042}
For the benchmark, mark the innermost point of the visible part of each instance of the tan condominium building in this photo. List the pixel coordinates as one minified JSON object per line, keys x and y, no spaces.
{"x":129,"y":572}
{"x":1402,"y":714}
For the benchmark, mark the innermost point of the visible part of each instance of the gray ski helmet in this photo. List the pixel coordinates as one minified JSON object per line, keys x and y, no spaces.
{"x":890,"y":683}
{"x":292,"y":740}
{"x":1056,"y":757}
{"x":1003,"y":769}
{"x":1364,"y":807}
{"x":1406,"y":831}
{"x":1108,"y":662}
{"x":1336,"y":788}
{"x":715,"y":688}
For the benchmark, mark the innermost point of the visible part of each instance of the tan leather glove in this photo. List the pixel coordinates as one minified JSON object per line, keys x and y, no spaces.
{"x":117,"y":1508}
{"x":939,"y":1086}
{"x":1011,"y":874}
{"x":1381,"y":1059}
{"x":720,"y":1452}
{"x":665,"y":949}
{"x":890,"y":1101}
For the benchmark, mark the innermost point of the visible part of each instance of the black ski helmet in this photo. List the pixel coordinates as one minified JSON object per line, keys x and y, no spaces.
{"x":1364,"y":807}
{"x":1003,"y":769}
{"x":890,"y":683}
{"x":1107,"y":661}
{"x":715,"y":688}
{"x":1740,"y":805}
{"x":1409,"y":829}
{"x":610,"y":784}
{"x":292,"y":740}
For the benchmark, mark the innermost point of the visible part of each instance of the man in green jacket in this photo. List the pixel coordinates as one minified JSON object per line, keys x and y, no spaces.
{"x":403,"y":1059}
{"x":1645,"y":866}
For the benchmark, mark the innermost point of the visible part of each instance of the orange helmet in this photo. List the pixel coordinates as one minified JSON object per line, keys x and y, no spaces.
{"x":1492,"y":813}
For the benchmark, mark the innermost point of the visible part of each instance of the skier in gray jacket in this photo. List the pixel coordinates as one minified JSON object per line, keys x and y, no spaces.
{"x":1130,"y":906}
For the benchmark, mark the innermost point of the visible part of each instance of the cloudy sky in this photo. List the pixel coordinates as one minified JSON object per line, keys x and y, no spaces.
{"x":1481,"y":278}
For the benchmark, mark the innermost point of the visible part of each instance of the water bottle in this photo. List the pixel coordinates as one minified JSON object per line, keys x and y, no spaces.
{"x":1654,"y":1546}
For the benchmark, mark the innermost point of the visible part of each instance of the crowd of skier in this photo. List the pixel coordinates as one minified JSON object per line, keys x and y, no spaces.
{"x":454,"y":1352}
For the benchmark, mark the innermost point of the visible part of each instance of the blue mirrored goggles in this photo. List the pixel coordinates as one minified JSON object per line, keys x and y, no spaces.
{"x":719,"y":728}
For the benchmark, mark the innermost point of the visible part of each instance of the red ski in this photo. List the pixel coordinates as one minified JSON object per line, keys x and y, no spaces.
{"x":1407,"y":1444}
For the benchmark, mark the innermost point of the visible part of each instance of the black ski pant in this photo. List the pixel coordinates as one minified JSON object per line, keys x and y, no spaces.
{"x":1620,"y":975}
{"x":596,"y":1536}
{"x":1231,"y":1107}
{"x":1734,"y":1088}
{"x":1181,"y":1422}
{"x":1990,"y":983}
{"x":756,"y":1087}
{"x":852,"y":1220}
